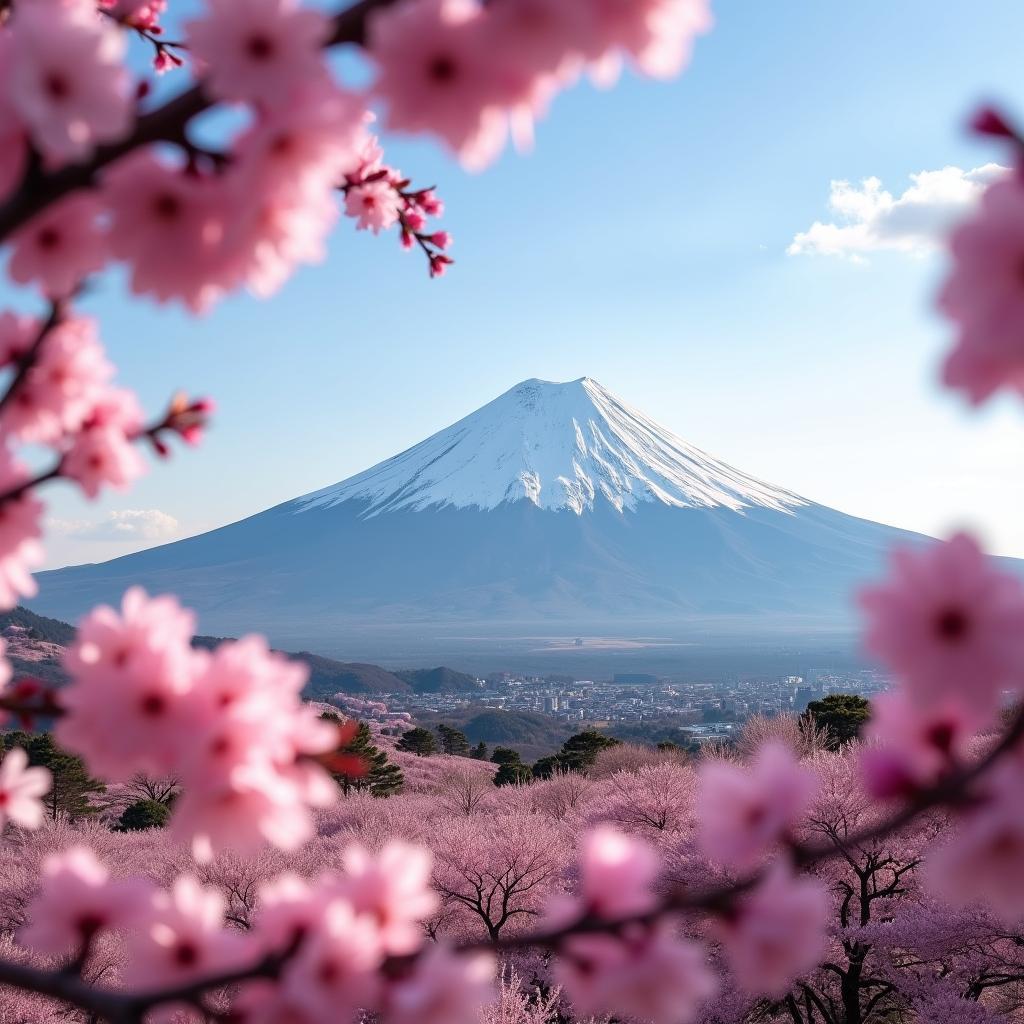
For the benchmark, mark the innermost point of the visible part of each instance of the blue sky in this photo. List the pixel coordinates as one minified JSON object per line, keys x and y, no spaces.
{"x":642,"y":243}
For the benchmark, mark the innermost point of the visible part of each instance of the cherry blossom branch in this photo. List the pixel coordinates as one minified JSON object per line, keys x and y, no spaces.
{"x":164,"y":56}
{"x":183,"y":417}
{"x":28,"y":359}
{"x":167,"y":123}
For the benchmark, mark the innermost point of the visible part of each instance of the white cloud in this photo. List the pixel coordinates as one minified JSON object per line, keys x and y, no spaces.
{"x":870,"y":219}
{"x":127,"y":524}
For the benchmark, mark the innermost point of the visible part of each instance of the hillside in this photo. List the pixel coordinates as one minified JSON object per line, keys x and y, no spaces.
{"x":438,"y":680}
{"x":531,"y":734}
{"x":38,"y":627}
{"x":35,"y":645}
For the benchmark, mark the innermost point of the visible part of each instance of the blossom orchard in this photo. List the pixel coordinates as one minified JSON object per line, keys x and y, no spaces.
{"x":95,"y":172}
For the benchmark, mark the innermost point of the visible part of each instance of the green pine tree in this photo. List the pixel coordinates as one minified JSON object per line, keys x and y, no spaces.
{"x":453,"y":741}
{"x":72,"y":785}
{"x":842,"y":715}
{"x":382,"y":777}
{"x":479,"y":752}
{"x":418,"y":741}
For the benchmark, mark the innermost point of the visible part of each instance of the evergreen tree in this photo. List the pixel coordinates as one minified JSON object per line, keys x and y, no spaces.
{"x":479,"y":752}
{"x":512,"y":772}
{"x":547,"y":766}
{"x":72,"y":785}
{"x":506,"y":755}
{"x":579,"y":752}
{"x":143,"y":814}
{"x":418,"y":741}
{"x":381,"y":777}
{"x":842,"y":715}
{"x":453,"y":741}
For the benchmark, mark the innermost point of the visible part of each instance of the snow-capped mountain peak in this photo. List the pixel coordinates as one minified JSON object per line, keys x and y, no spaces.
{"x":560,"y":446}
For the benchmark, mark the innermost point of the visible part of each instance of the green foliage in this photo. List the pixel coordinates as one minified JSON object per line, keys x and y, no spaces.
{"x":72,"y":785}
{"x":418,"y":741}
{"x":511,"y":769}
{"x":381,"y":776}
{"x":578,"y":754}
{"x":842,"y":715}
{"x":547,"y":766}
{"x":143,"y":814}
{"x":479,"y":752}
{"x":506,"y":755}
{"x":512,"y":773}
{"x":453,"y":741}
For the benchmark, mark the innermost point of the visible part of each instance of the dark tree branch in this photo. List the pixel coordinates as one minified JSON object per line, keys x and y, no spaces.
{"x":167,"y":123}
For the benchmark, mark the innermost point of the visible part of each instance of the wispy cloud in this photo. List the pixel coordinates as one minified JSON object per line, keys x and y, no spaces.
{"x":127,"y":524}
{"x":868,"y":218}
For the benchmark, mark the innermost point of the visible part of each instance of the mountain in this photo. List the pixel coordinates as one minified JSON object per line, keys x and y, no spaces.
{"x":438,"y":680}
{"x":554,"y":509}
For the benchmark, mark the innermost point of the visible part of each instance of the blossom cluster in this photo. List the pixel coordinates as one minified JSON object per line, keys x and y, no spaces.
{"x":190,"y":225}
{"x":353,"y":941}
{"x":327,"y":939}
{"x":469,"y":71}
{"x":984,"y":294}
{"x":228,"y":723}
{"x":950,"y":624}
{"x":61,"y":395}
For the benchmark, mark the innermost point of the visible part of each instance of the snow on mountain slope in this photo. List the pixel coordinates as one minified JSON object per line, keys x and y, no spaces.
{"x":559,"y":446}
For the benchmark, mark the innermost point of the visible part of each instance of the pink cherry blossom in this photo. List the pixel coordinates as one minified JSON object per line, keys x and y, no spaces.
{"x":278,"y":231}
{"x":60,"y":247}
{"x":435,"y":75}
{"x":68,"y":378}
{"x":657,"y":35}
{"x":288,"y":907}
{"x":914,"y":746}
{"x":442,"y":987}
{"x":375,"y":206}
{"x":617,"y":873}
{"x":66,"y":78}
{"x":394,"y":889}
{"x":950,"y":624}
{"x":777,"y":932}
{"x":245,"y":781}
{"x":334,"y":971}
{"x":144,"y":14}
{"x":20,"y":790}
{"x":310,"y":146}
{"x":743,"y":811}
{"x":984,"y":858}
{"x":169,"y":227}
{"x":541,"y":37}
{"x":258,"y":53}
{"x":251,"y":806}
{"x":102,"y":457}
{"x":125,"y":708}
{"x":20,"y":530}
{"x":647,"y":973}
{"x":182,"y":937}
{"x":984,"y":295}
{"x":77,"y":900}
